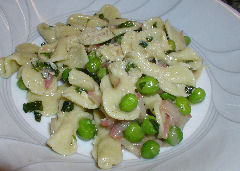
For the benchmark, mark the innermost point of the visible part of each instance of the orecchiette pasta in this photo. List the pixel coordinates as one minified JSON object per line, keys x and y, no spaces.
{"x":63,"y":141}
{"x":34,"y":81}
{"x":77,"y":57}
{"x":154,"y":22}
{"x":80,"y":79}
{"x":176,"y":36}
{"x":82,"y":99}
{"x":47,"y":32}
{"x":109,"y":12}
{"x":93,"y":36}
{"x":50,"y":103}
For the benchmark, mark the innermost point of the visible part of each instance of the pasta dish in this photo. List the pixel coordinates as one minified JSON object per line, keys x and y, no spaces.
{"x":122,"y":83}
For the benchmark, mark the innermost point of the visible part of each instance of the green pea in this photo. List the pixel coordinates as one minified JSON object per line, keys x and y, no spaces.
{"x":147,"y":85}
{"x":133,"y":133}
{"x":128,"y":102}
{"x":166,"y":96}
{"x":183,"y":105}
{"x":175,"y":136}
{"x":172,"y":44}
{"x":86,"y":129}
{"x":150,"y":149}
{"x":148,"y":126}
{"x":92,"y":55}
{"x":197,"y":96}
{"x":21,"y":85}
{"x":101,"y":73}
{"x":187,"y":40}
{"x":93,"y":65}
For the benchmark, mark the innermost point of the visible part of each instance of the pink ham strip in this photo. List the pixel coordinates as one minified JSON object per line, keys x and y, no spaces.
{"x":48,"y":81}
{"x":117,"y":129}
{"x":94,"y":97}
{"x":166,"y":127}
{"x":108,"y":123}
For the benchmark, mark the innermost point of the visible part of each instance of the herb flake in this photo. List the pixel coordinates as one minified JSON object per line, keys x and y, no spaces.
{"x":149,"y":38}
{"x":67,"y":106}
{"x":143,"y":44}
{"x":37,"y":116}
{"x":125,"y":24}
{"x":154,"y":25}
{"x":129,"y":66}
{"x":47,"y":54}
{"x":32,"y":106}
{"x":79,"y":90}
{"x":101,"y":16}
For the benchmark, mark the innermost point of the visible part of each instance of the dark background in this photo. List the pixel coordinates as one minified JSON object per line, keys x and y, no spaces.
{"x":233,"y":3}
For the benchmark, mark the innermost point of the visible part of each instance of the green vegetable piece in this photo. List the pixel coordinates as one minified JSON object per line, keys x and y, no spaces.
{"x":133,"y":133}
{"x":166,"y":96}
{"x":32,"y":106}
{"x":125,"y":24}
{"x":47,"y":54}
{"x":92,"y":55}
{"x":74,"y":137}
{"x":102,"y":72}
{"x":86,"y":129}
{"x":37,"y":116}
{"x":65,"y":74}
{"x":183,"y":105}
{"x":149,"y":38}
{"x":172,"y":44}
{"x":189,"y":89}
{"x":175,"y":136}
{"x":37,"y":66}
{"x":118,"y":38}
{"x":150,"y":149}
{"x":197,"y":96}
{"x":143,"y":44}
{"x":43,"y":43}
{"x":147,"y":85}
{"x":150,"y":125}
{"x":21,"y":85}
{"x":67,"y":106}
{"x":128,"y":102}
{"x":93,"y":65}
{"x":79,"y":90}
{"x":129,"y":66}
{"x":154,"y":24}
{"x":101,"y":16}
{"x":188,"y":61}
{"x":169,"y":51}
{"x":187,"y":40}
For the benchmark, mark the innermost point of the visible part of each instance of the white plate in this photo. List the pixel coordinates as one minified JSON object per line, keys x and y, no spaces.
{"x":18,"y":24}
